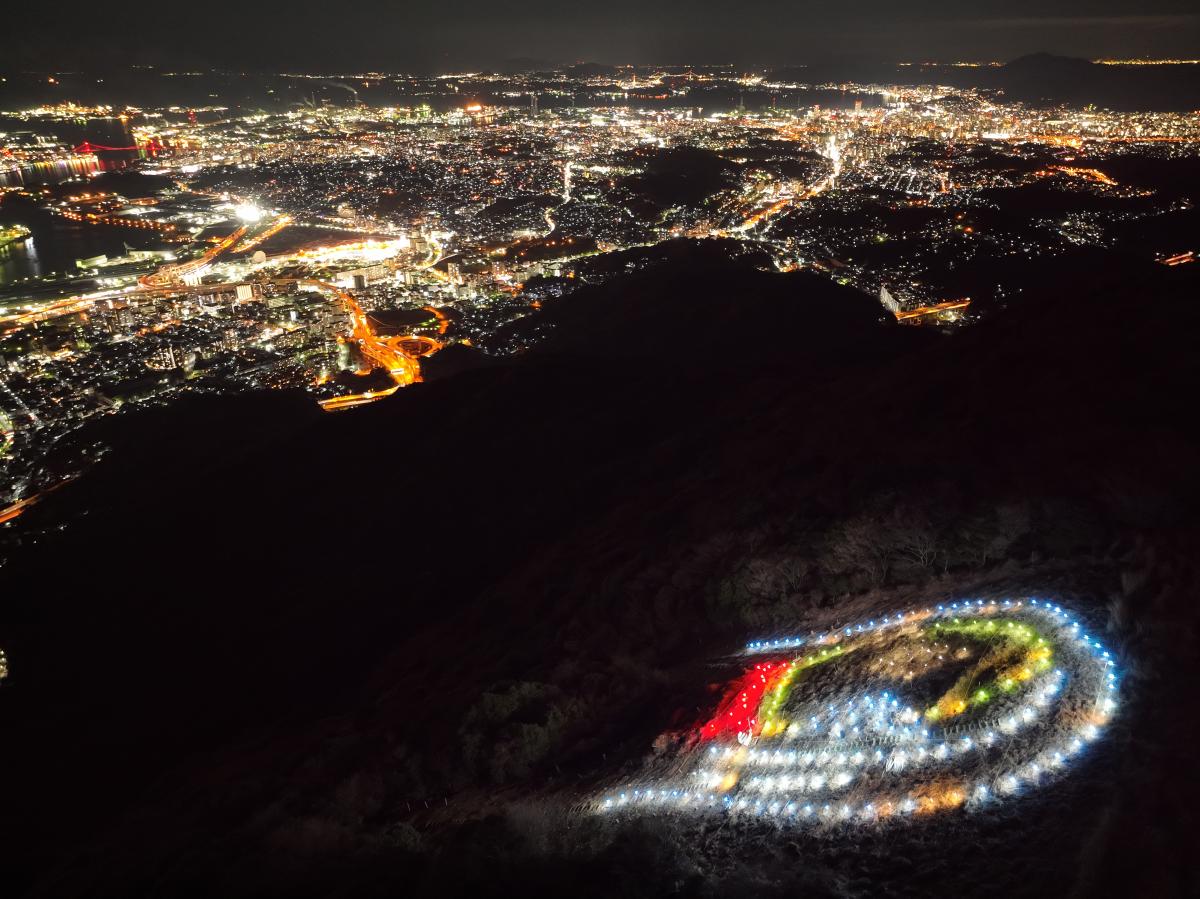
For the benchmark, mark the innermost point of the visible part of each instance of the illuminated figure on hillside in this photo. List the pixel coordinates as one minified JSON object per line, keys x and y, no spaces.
{"x":914,"y":712}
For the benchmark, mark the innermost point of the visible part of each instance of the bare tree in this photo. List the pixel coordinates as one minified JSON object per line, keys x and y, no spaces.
{"x":915,"y":538}
{"x":860,"y":544}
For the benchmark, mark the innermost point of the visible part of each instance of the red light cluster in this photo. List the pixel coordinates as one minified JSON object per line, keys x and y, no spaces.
{"x":739,"y":711}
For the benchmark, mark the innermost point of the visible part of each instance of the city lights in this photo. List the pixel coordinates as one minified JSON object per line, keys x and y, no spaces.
{"x":742,"y":419}
{"x":249,"y":213}
{"x":500,"y":196}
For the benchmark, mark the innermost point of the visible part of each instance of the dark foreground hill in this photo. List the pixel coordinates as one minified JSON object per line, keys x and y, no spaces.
{"x":382,"y":653}
{"x":700,"y":310}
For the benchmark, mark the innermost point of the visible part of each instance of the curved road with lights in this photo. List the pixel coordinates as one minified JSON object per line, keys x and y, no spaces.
{"x":397,"y":356}
{"x":387,"y":354}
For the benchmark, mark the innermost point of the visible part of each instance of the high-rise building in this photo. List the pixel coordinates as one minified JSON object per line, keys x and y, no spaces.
{"x":533,"y":104}
{"x":118,"y":320}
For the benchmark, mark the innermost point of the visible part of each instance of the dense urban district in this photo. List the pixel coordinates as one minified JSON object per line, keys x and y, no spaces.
{"x":336,"y":245}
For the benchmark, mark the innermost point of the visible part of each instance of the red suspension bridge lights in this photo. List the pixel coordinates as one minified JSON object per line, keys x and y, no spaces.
{"x":153,"y":147}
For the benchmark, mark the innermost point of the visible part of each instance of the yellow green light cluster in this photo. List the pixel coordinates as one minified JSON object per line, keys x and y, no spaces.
{"x":1015,"y":650}
{"x":768,"y":711}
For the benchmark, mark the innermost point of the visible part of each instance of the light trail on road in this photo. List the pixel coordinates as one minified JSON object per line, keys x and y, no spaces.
{"x":937,"y":308}
{"x":834,"y":154}
{"x":402,"y":368}
{"x":17,"y":509}
{"x":920,"y":711}
{"x":193,"y":268}
{"x":266,"y":234}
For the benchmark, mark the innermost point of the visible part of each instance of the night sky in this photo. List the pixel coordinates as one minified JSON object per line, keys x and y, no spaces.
{"x":347,"y":35}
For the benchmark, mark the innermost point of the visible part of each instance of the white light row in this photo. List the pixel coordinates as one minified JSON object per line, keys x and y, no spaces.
{"x":1005,"y":783}
{"x":961,"y":607}
{"x":759,"y":646}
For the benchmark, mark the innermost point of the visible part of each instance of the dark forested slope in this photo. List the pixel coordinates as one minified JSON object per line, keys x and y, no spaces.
{"x":291,"y":653}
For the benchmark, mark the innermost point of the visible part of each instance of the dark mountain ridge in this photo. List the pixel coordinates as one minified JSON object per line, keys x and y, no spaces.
{"x":1038,"y":79}
{"x":287,"y":653}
